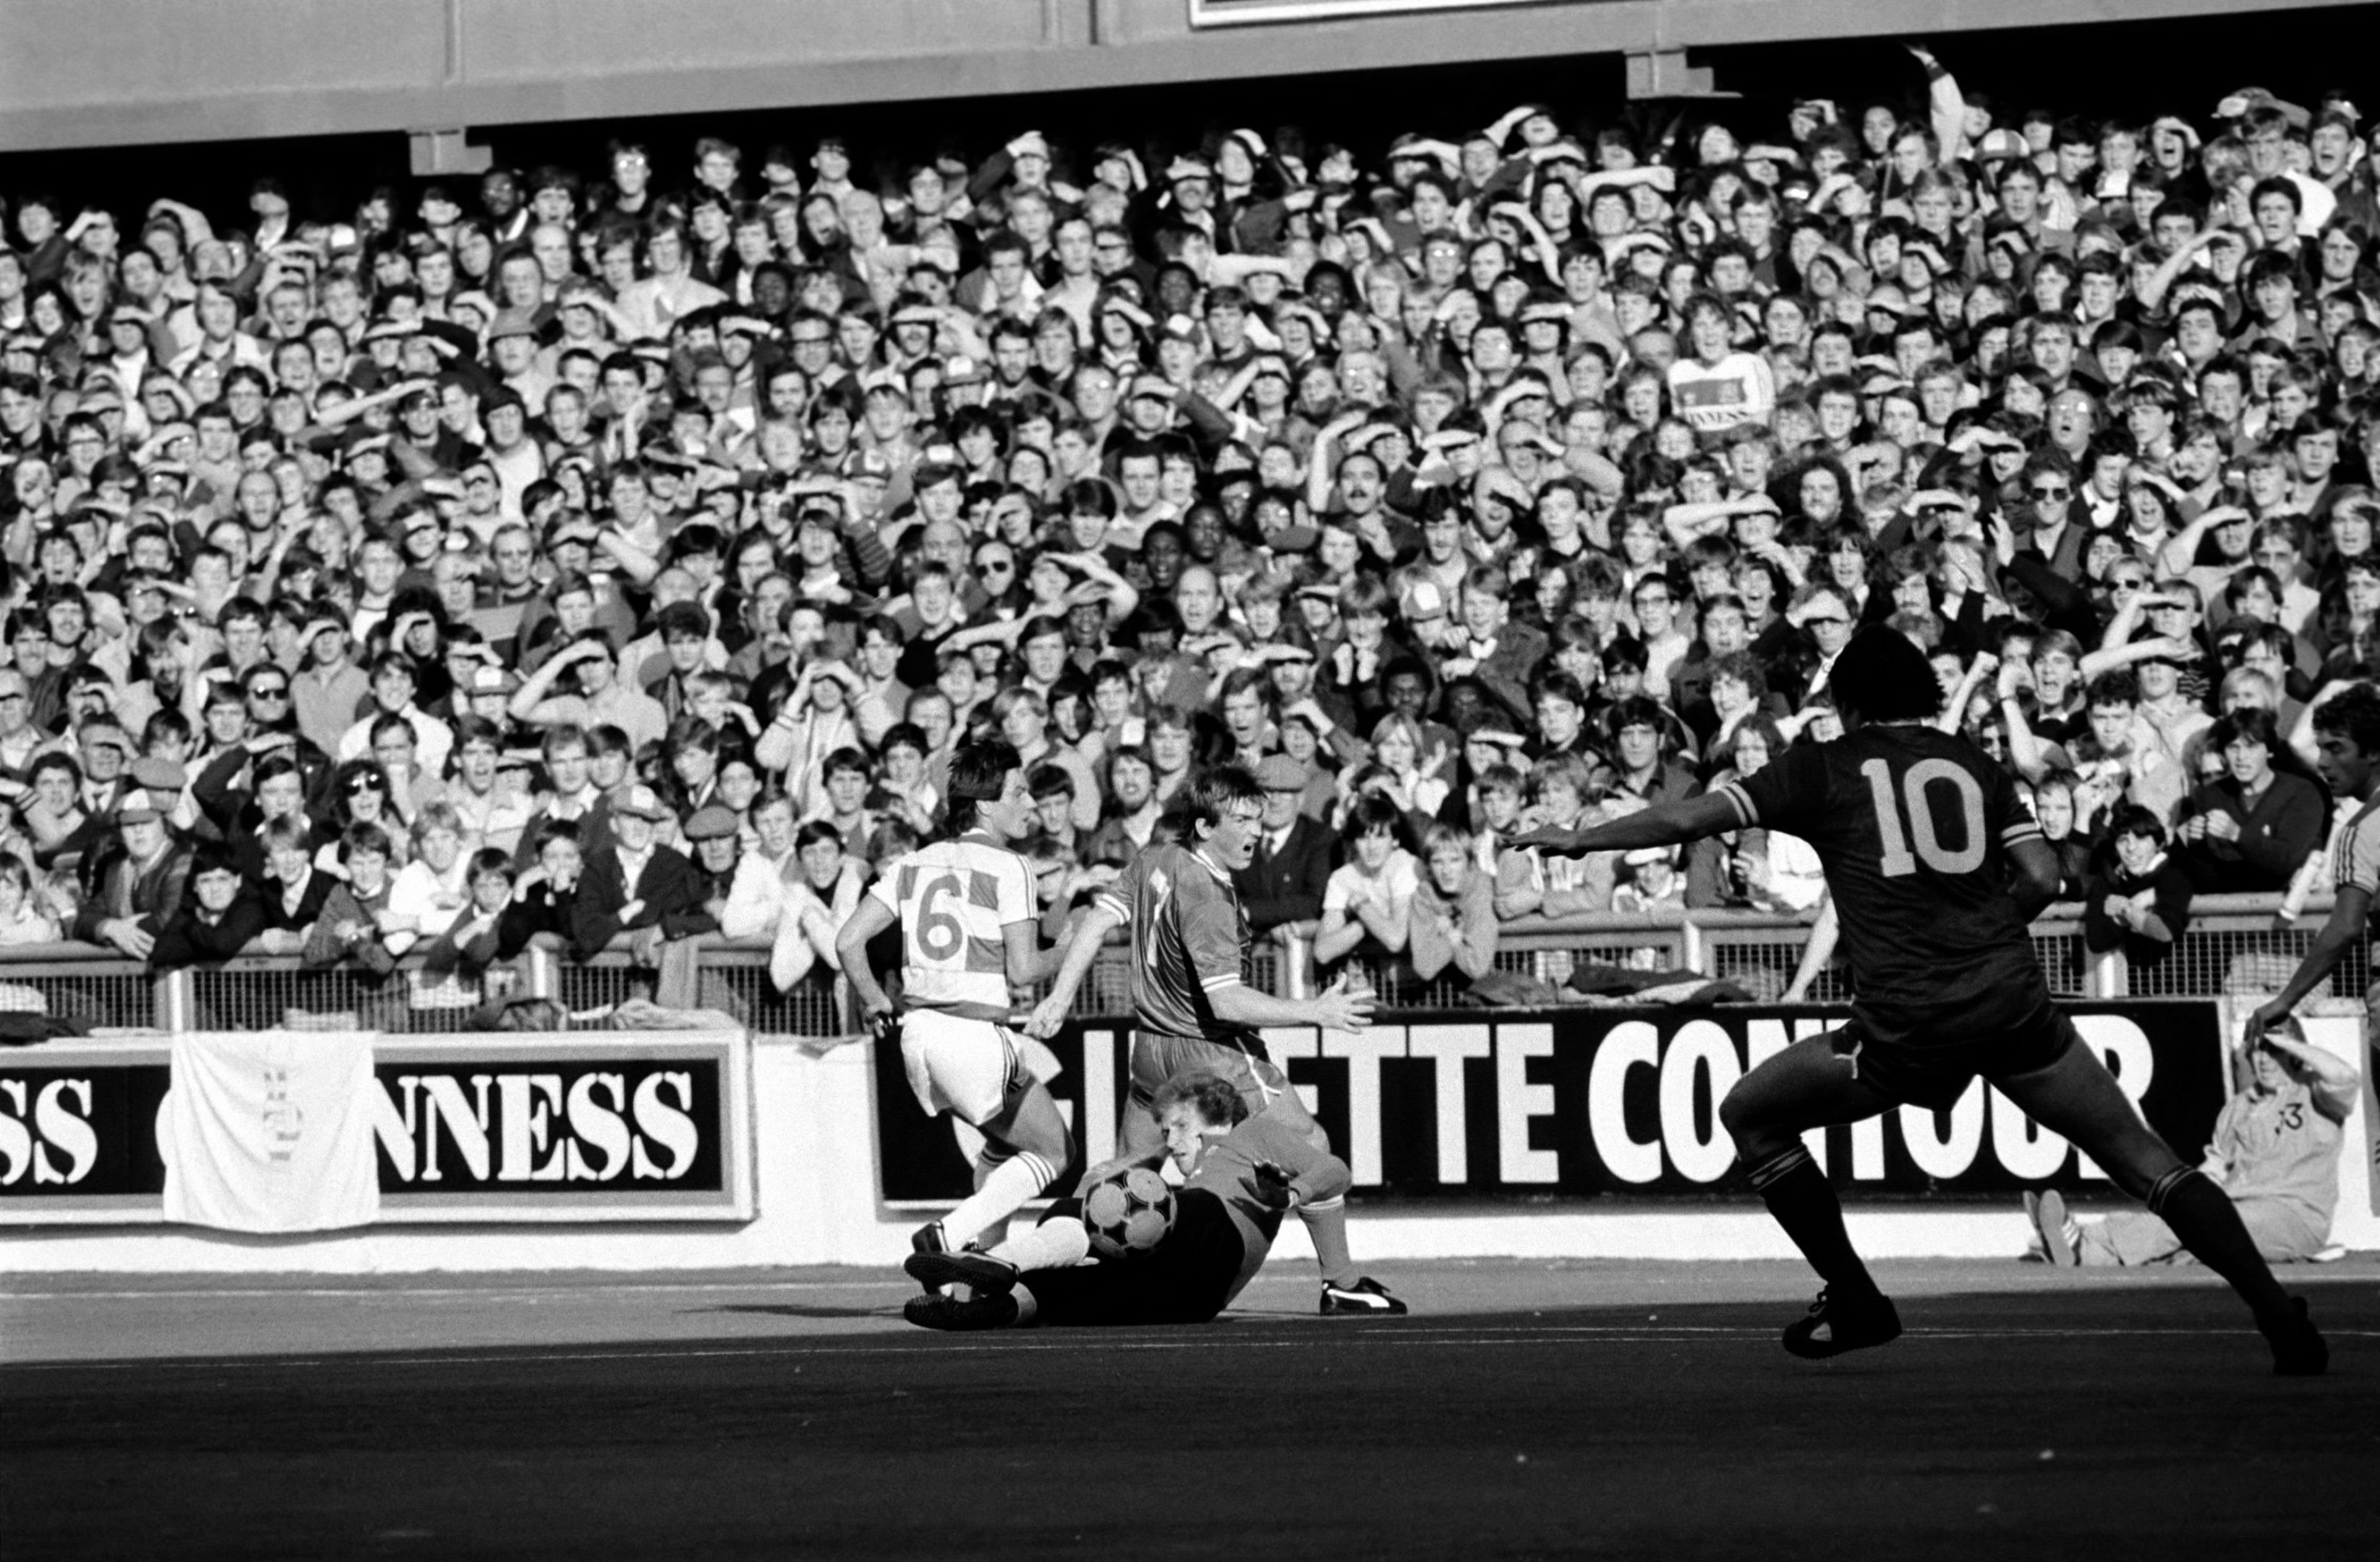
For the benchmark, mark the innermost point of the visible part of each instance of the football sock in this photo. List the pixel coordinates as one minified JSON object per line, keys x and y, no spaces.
{"x":2202,"y":1216}
{"x":1014,"y":1180}
{"x":1801,"y":1200}
{"x":1054,"y":1245}
{"x":1326,"y":1223}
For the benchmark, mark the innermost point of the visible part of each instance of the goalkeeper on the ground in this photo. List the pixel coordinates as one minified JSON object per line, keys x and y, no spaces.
{"x":1242,"y":1174}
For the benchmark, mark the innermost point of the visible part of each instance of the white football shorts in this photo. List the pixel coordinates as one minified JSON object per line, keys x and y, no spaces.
{"x":967,"y":1068}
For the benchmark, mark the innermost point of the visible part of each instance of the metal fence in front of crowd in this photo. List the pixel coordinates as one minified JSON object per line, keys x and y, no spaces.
{"x":2234,"y":944}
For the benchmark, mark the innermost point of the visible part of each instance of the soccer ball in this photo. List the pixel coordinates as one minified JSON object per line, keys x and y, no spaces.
{"x":1128,"y":1213}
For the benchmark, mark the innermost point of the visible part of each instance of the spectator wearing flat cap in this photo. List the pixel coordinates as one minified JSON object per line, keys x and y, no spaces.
{"x":136,"y":891}
{"x":714,"y":836}
{"x":638,"y":886}
{"x":1283,"y":885}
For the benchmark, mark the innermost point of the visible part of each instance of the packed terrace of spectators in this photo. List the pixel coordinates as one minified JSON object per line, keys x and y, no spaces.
{"x":611,"y":554}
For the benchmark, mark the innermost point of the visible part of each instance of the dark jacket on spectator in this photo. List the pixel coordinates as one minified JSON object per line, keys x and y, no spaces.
{"x":2074,"y":866}
{"x":1286,"y":886}
{"x":2168,"y":884}
{"x":670,"y":887}
{"x":224,"y":791}
{"x":271,"y":902}
{"x":150,"y":895}
{"x":594,"y":833}
{"x":1505,"y":674}
{"x":539,"y":910}
{"x":2278,"y":832}
{"x":192,"y":937}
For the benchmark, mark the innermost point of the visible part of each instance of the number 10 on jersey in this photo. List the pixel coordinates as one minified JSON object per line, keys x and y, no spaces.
{"x":1899,"y":860}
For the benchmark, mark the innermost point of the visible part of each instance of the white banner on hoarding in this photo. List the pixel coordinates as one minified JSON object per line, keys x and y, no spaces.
{"x":270,"y":1131}
{"x":306,"y":1131}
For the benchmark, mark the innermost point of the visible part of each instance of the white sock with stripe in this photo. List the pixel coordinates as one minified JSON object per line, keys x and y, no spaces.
{"x":1020,"y":1177}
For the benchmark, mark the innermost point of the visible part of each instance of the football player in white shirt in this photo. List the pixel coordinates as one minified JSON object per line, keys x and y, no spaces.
{"x":967,"y":914}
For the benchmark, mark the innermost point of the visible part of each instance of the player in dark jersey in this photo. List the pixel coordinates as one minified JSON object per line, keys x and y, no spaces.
{"x":1936,"y":871}
{"x":1194,"y":1005}
{"x":1240,"y":1174}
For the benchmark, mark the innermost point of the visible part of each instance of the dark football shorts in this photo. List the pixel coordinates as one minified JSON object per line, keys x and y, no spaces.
{"x":1156,"y":1058}
{"x":1934,"y":1077}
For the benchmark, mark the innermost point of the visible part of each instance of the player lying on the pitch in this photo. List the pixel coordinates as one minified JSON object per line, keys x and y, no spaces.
{"x":2275,"y":1153}
{"x":1242,"y":1174}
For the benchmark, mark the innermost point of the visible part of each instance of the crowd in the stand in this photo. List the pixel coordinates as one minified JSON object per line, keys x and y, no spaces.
{"x":624,"y":548}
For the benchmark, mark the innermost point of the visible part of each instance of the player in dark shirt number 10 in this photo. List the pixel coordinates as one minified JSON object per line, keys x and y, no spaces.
{"x":1936,"y":871}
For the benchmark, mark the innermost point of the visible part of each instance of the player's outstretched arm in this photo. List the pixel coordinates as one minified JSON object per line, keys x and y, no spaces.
{"x":1663,"y":824}
{"x":1089,"y":934}
{"x":2341,"y":933}
{"x":1336,"y":1009}
{"x":851,"y":948}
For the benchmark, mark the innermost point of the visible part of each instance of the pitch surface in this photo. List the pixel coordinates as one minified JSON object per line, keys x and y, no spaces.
{"x":1525,"y":1410}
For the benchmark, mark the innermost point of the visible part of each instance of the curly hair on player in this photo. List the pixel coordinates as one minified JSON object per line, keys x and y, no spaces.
{"x":1215,"y":1099}
{"x":2352,"y":713}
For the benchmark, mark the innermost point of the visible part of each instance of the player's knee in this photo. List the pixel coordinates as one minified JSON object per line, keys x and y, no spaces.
{"x":1737,"y":1114}
{"x":1051,"y":1141}
{"x":1316,"y":1138}
{"x":1756,"y":1142}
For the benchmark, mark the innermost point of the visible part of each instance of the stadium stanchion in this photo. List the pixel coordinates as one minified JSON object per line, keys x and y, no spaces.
{"x":2110,"y":975}
{"x":175,"y":1008}
{"x":541,"y":975}
{"x":1297,"y":967}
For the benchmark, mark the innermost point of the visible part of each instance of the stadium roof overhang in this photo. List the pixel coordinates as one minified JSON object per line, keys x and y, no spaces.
{"x":84,"y":73}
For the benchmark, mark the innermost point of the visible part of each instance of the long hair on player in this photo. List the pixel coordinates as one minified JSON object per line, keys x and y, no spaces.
{"x":1882,"y":676}
{"x":1213,"y":796}
{"x":979,"y":775}
{"x":1215,"y":1099}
